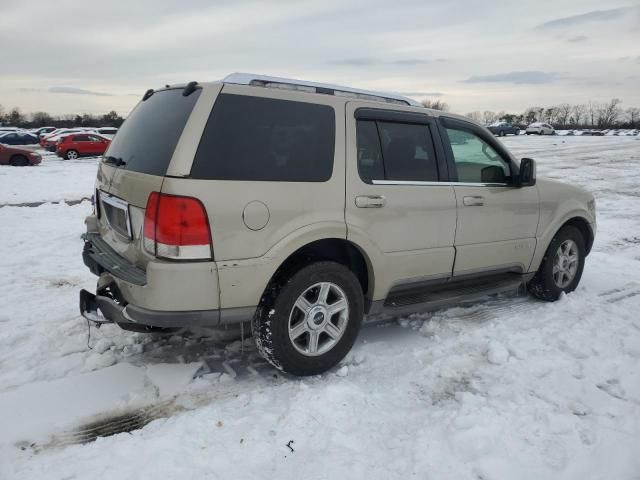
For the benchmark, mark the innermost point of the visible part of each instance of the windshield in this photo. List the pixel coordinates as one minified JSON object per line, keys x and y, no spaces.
{"x":147,"y":139}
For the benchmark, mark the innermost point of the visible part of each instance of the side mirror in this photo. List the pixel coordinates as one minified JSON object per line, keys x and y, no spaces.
{"x":527,"y":176}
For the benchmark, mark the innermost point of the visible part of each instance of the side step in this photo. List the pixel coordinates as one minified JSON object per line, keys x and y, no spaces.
{"x":405,"y":300}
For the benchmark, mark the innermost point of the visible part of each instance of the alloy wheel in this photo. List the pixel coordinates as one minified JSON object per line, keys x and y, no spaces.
{"x":565,"y":263}
{"x":318,"y":319}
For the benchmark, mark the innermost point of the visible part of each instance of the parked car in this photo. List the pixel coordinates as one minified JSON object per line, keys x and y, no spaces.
{"x":303,"y":208}
{"x":77,"y":145}
{"x":18,"y":138}
{"x":539,"y":128}
{"x":503,"y":128}
{"x":49,"y":142}
{"x":42,"y":131}
{"x":18,"y":157}
{"x":108,"y":132}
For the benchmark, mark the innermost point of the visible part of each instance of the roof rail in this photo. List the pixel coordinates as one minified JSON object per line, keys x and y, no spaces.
{"x":314,"y":87}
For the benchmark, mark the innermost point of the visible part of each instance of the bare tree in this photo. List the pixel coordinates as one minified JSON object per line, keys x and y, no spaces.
{"x":41,"y":118}
{"x":475,"y":116}
{"x":579,"y":112}
{"x":531,"y":114}
{"x":634,"y":115}
{"x":562,"y":113}
{"x":608,"y":113}
{"x":489,"y":116}
{"x":1,"y":114}
{"x":15,"y":117}
{"x":435,"y":104}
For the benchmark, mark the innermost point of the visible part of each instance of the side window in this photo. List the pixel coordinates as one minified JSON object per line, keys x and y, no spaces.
{"x":408,"y":152}
{"x":476,"y":161}
{"x":264,"y":139}
{"x":370,"y":164}
{"x":395,"y":151}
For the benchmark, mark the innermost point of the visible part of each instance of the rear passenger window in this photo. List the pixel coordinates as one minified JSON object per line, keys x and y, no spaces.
{"x":264,"y":139}
{"x":369,"y":153}
{"x":395,"y":151}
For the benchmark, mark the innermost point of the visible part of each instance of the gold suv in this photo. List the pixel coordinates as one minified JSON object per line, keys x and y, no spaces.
{"x":304,"y":208}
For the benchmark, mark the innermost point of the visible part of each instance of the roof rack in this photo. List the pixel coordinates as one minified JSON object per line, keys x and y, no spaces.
{"x":313,"y":87}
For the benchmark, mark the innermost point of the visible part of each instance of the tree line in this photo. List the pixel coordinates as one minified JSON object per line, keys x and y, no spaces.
{"x":16,"y":118}
{"x":564,"y":115}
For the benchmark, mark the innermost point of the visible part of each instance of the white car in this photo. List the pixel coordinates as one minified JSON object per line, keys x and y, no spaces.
{"x":108,"y":132}
{"x":539,"y":128}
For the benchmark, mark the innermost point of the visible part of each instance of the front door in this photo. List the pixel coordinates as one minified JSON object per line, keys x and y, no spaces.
{"x":497,"y":221}
{"x":394,"y":201}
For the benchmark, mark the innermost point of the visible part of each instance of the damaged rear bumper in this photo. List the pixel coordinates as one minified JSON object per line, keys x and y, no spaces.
{"x":107,"y":306}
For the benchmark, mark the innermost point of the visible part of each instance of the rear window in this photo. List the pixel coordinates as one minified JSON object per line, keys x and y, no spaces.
{"x":264,"y":139}
{"x":147,"y":139}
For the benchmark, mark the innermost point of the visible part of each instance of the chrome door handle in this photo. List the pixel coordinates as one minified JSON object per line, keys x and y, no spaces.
{"x":473,"y":201}
{"x":370,"y":201}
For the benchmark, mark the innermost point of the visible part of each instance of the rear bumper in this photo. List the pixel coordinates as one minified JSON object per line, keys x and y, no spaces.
{"x":104,"y":307}
{"x":166,"y":294}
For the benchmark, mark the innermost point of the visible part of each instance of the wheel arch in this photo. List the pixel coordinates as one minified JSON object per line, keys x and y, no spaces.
{"x":338,"y":250}
{"x":585,"y":229}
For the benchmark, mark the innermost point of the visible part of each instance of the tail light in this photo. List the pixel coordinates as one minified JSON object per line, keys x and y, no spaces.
{"x":177,"y":228}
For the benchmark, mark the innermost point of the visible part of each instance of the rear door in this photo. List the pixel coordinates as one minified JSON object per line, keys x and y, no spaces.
{"x":497,"y":221}
{"x":395,"y":199}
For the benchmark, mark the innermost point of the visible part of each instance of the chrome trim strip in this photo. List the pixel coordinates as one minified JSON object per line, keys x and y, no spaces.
{"x":454,"y":184}
{"x":120,"y":205}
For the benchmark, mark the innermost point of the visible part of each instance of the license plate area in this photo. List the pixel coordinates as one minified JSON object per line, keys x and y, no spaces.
{"x":116,"y":212}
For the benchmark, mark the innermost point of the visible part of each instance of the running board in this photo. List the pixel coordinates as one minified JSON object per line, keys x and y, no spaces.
{"x":406,"y":300}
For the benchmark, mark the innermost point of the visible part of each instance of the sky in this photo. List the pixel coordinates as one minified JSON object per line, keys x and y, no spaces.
{"x":67,"y":56}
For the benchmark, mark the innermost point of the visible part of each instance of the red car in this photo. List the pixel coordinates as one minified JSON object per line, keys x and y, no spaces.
{"x":77,"y":145}
{"x":18,"y":157}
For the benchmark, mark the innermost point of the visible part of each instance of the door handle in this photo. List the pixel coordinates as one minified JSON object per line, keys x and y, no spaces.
{"x":370,"y":201}
{"x":473,"y":201}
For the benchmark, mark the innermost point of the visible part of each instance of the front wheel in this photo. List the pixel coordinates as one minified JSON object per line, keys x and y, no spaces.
{"x":561,"y":267}
{"x":71,"y":155}
{"x":501,"y":133}
{"x":19,"y":161}
{"x":306,"y":325}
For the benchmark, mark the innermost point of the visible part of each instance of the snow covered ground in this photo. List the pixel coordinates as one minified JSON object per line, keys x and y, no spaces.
{"x":510,"y":388}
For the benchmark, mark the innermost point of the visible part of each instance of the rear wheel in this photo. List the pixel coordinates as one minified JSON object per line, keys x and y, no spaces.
{"x":71,"y":155}
{"x":561,"y":267}
{"x":517,"y":131}
{"x":501,"y":133}
{"x":19,"y":161}
{"x":309,"y":322}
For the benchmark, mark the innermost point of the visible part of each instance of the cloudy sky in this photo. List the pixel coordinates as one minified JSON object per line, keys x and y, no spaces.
{"x":87,"y":56}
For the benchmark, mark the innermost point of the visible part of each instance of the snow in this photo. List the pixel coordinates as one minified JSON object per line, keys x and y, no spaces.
{"x":509,"y":388}
{"x":53,"y":180}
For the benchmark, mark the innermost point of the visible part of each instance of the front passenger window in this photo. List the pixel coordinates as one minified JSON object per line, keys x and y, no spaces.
{"x":476,"y":161}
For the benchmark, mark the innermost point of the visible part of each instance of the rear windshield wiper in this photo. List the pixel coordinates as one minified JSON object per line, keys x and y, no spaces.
{"x":117,"y":161}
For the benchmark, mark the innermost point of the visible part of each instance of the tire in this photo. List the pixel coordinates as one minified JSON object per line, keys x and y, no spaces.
{"x":517,"y":131}
{"x":544,"y":284}
{"x":19,"y":161}
{"x":279,"y":319}
{"x":541,"y":132}
{"x":71,"y":155}
{"x":501,"y":133}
